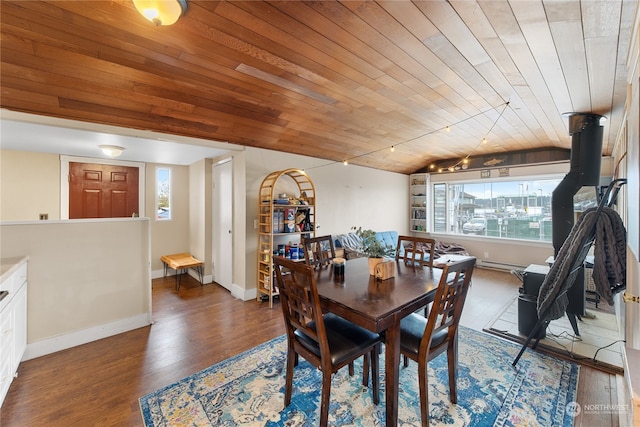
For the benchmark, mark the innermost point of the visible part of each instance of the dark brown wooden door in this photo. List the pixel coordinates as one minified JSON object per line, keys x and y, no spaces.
{"x":102,"y":191}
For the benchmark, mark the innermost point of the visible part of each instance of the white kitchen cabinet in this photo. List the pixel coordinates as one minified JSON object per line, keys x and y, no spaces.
{"x":13,"y":319}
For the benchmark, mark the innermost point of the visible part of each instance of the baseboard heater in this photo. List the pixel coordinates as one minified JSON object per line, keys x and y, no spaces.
{"x":499,"y":265}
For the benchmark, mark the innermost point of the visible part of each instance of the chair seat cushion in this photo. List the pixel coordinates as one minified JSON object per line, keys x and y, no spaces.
{"x":346,"y":339}
{"x":411,"y":331}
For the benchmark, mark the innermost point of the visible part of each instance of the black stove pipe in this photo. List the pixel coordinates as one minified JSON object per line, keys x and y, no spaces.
{"x":586,"y":155}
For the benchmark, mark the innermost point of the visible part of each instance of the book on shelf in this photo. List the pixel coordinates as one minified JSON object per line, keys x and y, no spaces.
{"x":278,"y":221}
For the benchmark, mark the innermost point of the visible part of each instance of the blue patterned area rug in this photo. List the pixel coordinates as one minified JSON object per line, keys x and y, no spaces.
{"x":248,"y":390}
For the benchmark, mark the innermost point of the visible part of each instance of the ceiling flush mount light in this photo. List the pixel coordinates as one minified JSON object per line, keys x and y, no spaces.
{"x":111,"y":150}
{"x":161,"y":12}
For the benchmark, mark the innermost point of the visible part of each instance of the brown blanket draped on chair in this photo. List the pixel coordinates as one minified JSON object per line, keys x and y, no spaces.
{"x":609,"y":267}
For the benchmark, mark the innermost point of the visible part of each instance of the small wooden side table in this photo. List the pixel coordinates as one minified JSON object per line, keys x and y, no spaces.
{"x":181,"y":263}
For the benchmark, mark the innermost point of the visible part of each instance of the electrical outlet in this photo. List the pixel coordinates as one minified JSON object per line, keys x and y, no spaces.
{"x":486,"y":255}
{"x":44,"y":216}
{"x":255,"y":223}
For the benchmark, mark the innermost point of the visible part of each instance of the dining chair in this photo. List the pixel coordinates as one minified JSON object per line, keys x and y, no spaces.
{"x":422,"y":339}
{"x":327,"y":341}
{"x":416,"y":250}
{"x":425,"y":247}
{"x":319,"y":250}
{"x":404,"y":249}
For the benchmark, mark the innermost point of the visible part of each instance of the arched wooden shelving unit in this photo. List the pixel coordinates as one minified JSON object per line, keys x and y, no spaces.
{"x":274,"y":228}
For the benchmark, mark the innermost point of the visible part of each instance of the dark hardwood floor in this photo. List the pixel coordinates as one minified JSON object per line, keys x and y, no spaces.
{"x":98,"y":384}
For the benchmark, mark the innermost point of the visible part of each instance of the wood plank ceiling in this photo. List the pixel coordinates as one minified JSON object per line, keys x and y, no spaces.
{"x":335,"y":80}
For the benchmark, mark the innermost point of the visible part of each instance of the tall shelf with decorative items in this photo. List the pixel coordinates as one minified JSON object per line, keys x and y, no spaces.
{"x":286,"y":213}
{"x":418,"y":202}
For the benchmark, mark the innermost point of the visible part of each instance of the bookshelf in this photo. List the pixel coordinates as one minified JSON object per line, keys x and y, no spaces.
{"x":286,"y":212}
{"x":418,"y":202}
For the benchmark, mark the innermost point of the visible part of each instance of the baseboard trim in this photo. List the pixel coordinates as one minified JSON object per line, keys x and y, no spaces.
{"x":493,"y":265}
{"x":73,"y":339}
{"x":158,"y":274}
{"x":244,"y":294}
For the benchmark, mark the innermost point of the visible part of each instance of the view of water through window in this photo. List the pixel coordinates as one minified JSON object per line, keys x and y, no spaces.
{"x":504,"y":209}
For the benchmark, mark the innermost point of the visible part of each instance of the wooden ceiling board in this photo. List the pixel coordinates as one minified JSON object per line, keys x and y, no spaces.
{"x":334,"y":80}
{"x":565,"y":20}
{"x":520,"y":131}
{"x":302,"y":45}
{"x":530,"y":99}
{"x":616,"y":117}
{"x":23,"y":98}
{"x":449,"y":86}
{"x":410,"y":15}
{"x":563,"y":10}
{"x":508,"y":29}
{"x":379,"y":50}
{"x":501,"y":62}
{"x":448,"y":23}
{"x":373,"y":95}
{"x":354,"y":48}
{"x":601,"y":18}
{"x":532,"y":20}
{"x":574,"y":62}
{"x":102,"y":78}
{"x":522,"y":118}
{"x":601,"y":21}
{"x":484,"y":96}
{"x":599,"y":52}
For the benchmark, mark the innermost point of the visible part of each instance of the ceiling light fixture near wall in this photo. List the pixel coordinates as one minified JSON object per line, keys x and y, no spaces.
{"x":161,"y":12}
{"x":111,"y":150}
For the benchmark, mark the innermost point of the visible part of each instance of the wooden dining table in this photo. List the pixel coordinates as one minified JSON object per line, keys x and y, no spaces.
{"x":379,"y":305}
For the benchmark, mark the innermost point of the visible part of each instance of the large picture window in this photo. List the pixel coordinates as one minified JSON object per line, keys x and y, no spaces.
{"x":504,"y":209}
{"x":163,"y":194}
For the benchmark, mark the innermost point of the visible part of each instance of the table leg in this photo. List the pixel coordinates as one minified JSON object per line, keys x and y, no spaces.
{"x":200,"y":270}
{"x":392,"y":371}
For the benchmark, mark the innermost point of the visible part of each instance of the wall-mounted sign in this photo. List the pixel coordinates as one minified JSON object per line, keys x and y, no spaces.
{"x":485,"y":173}
{"x":503,"y":172}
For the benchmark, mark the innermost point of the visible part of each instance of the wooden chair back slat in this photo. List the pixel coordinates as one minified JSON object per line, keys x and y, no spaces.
{"x":318,"y":251}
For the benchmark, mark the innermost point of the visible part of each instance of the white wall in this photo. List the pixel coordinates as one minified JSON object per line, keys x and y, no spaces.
{"x":30,"y":185}
{"x":171,"y":236}
{"x":199,"y":212}
{"x":83,"y":282}
{"x":346,"y":196}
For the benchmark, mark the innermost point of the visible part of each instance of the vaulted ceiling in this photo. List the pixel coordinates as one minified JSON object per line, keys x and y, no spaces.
{"x":336,"y":80}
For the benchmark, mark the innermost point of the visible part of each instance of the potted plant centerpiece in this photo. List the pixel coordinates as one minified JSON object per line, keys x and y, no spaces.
{"x":373,"y":248}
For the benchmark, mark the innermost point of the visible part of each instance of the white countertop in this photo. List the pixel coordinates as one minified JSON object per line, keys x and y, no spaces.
{"x":9,"y":265}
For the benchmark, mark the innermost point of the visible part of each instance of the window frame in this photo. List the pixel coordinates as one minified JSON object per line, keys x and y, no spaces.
{"x":437,"y":179}
{"x":157,"y":201}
